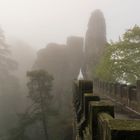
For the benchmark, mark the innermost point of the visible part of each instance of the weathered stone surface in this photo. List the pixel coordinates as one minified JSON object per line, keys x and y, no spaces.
{"x":124,"y":130}
{"x":114,"y":129}
{"x":103,"y":120}
{"x":95,"y":108}
{"x":99,"y":116}
{"x":84,"y":87}
{"x":83,"y":120}
{"x":87,"y":98}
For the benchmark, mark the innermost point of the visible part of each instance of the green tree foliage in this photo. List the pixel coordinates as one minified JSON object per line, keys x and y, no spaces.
{"x":95,"y":41}
{"x":121,"y":60}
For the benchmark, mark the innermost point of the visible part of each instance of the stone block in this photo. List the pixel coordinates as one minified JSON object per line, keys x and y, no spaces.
{"x":96,"y":107}
{"x":123,"y":130}
{"x":87,"y":98}
{"x":114,"y":129}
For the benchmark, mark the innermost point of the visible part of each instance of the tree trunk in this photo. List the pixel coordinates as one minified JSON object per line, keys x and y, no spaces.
{"x":44,"y":121}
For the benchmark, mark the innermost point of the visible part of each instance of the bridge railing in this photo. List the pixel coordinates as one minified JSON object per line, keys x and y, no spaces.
{"x":127,"y":95}
{"x":94,"y":118}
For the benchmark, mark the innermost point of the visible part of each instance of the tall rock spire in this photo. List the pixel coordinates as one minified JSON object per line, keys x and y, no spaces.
{"x":95,"y":41}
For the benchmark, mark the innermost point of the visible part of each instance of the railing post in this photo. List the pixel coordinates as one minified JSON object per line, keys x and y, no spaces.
{"x":96,"y":107}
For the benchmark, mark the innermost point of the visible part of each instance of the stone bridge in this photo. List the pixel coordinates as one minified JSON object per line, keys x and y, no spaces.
{"x":94,"y":111}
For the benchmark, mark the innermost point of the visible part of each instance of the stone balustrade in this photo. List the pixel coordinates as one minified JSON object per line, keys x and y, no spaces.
{"x":94,"y":117}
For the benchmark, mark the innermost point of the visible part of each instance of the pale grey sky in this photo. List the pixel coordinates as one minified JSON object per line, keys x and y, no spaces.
{"x":39,"y":22}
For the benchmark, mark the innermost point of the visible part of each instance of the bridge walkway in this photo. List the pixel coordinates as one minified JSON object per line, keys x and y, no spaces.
{"x":95,"y":118}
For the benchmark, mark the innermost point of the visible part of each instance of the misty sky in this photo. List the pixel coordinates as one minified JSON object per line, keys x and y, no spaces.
{"x":39,"y":22}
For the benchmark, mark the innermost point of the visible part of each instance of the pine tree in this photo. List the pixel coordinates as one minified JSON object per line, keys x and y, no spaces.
{"x":39,"y":86}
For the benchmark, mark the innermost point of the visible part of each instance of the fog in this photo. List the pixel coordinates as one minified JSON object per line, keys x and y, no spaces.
{"x":44,"y":44}
{"x":39,"y":22}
